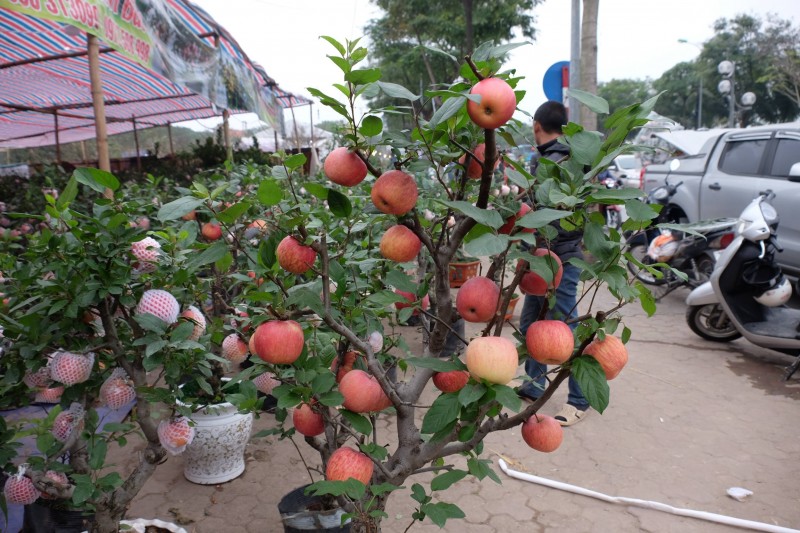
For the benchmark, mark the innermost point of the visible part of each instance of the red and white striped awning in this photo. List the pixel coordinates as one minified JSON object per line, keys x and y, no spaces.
{"x":45,"y":92}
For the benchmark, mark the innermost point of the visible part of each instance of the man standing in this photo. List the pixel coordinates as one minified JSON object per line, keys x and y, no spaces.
{"x":547,"y":124}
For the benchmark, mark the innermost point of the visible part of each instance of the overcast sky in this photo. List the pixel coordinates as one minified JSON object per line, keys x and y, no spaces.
{"x":636,"y":38}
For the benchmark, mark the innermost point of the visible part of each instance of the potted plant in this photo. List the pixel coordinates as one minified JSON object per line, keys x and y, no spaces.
{"x":462,"y":268}
{"x":105,"y":316}
{"x":341,"y":244}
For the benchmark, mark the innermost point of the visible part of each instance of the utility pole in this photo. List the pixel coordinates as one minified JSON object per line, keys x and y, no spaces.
{"x":575,"y":59}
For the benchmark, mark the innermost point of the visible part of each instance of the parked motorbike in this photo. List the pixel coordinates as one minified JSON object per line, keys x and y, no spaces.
{"x":690,"y":250}
{"x":611,"y":212}
{"x":747,"y":293}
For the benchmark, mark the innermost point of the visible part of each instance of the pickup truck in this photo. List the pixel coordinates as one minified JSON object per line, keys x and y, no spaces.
{"x":733,"y":168}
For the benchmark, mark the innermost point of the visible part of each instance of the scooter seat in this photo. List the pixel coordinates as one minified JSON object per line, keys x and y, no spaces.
{"x":781,"y":322}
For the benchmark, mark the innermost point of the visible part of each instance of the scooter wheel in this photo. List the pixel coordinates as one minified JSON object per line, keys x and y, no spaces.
{"x":711,"y":323}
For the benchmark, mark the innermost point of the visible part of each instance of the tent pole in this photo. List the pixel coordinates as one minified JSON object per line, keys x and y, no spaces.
{"x":98,"y":104}
{"x":136,"y":143}
{"x":311,"y":118}
{"x":58,"y":141}
{"x":83,"y":151}
{"x":169,"y":134}
{"x":275,"y":132}
{"x":226,"y":134}
{"x":296,"y":135}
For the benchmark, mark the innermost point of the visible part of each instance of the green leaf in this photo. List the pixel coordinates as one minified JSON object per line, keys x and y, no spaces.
{"x":230,"y":215}
{"x":444,"y":410}
{"x":269,"y":193}
{"x":177,"y":208}
{"x":396,"y":91}
{"x":323,"y":383}
{"x":315,"y":189}
{"x":480,"y":469}
{"x":418,"y":493}
{"x":97,"y":454}
{"x":592,"y":380}
{"x":363,"y":76}
{"x":84,"y":488}
{"x":541,"y":217}
{"x":487,"y":217}
{"x":213,"y":253}
{"x":68,"y":194}
{"x":336,"y":44}
{"x":383,"y":488}
{"x":304,"y":297}
{"x":444,"y":481}
{"x":486,"y":51}
{"x":471,"y":393}
{"x":450,"y":107}
{"x":440,"y":512}
{"x":606,"y":196}
{"x":639,"y":211}
{"x":434,"y":363}
{"x":266,"y":251}
{"x":359,"y":422}
{"x":593,"y":102}
{"x":487,"y":245}
{"x":584,"y":146}
{"x":370,"y":126}
{"x":626,"y":335}
{"x":351,"y":488}
{"x":98,"y":180}
{"x":295,"y":161}
{"x":646,"y":299}
{"x":401,"y":281}
{"x":150,"y":322}
{"x":507,"y":397}
{"x":339,"y":204}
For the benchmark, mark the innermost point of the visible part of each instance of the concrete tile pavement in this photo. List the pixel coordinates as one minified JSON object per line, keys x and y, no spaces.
{"x":688,"y":419}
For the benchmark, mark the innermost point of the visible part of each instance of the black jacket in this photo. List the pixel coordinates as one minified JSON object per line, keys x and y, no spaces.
{"x":568,"y":243}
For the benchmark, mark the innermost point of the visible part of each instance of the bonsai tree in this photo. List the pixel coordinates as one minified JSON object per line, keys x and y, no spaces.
{"x":367,"y":244}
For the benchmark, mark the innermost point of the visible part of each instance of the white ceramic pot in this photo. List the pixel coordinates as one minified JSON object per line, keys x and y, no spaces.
{"x":216,"y":454}
{"x":140,"y":525}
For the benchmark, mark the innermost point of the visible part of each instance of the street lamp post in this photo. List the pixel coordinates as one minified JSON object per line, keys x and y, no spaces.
{"x":727,"y":86}
{"x":700,"y":90}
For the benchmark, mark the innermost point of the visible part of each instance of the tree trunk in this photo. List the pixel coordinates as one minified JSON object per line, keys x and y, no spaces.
{"x":107,"y":521}
{"x":589,"y":59}
{"x":469,"y":37}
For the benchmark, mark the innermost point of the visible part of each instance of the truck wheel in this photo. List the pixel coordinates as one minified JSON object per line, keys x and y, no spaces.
{"x":711,"y":323}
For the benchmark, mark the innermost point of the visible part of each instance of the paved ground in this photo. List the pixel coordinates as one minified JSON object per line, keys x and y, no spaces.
{"x":688,"y":419}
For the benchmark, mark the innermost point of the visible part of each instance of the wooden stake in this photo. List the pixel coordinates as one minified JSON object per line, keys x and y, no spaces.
{"x":136,"y":143}
{"x":169,"y":134}
{"x":98,"y":104}
{"x":226,"y":134}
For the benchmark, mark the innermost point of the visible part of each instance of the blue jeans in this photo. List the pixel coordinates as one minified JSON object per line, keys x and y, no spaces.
{"x":566,"y":296}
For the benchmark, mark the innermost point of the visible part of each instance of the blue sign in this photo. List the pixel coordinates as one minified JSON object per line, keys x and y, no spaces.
{"x":556,"y":78}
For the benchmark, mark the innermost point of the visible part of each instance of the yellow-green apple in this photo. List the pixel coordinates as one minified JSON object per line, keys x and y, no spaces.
{"x":493,"y":359}
{"x":506,"y":228}
{"x":400,"y":244}
{"x":346,"y":463}
{"x":307,"y":421}
{"x":362,"y":392}
{"x":395,"y":192}
{"x":295,"y":257}
{"x":610,"y":353}
{"x":452,"y":381}
{"x":211,"y":231}
{"x":343,"y":364}
{"x":279,"y":342}
{"x":477,"y":298}
{"x":411,"y":299}
{"x":542,"y":433}
{"x":534,"y":284}
{"x":497,"y":104}
{"x":549,"y":341}
{"x":475,"y":167}
{"x":345,"y":167}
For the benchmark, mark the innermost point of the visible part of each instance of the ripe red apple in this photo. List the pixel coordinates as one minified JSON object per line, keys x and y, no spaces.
{"x":542,"y":433}
{"x":346,"y":463}
{"x":395,"y":192}
{"x":493,"y":359}
{"x":342,"y":365}
{"x":307,"y":421}
{"x":295,"y":257}
{"x":506,"y":228}
{"x":412,"y":299}
{"x":191,"y":215}
{"x":279,"y":342}
{"x":211,"y":231}
{"x":400,"y":244}
{"x":610,"y":353}
{"x":477,"y":299}
{"x":452,"y":381}
{"x":344,"y":167}
{"x":497,"y":104}
{"x":534,"y":284}
{"x":550,"y":341}
{"x":362,"y":392}
{"x":475,"y":169}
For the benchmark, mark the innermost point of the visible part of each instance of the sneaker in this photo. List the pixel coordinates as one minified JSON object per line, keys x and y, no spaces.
{"x":569,"y":415}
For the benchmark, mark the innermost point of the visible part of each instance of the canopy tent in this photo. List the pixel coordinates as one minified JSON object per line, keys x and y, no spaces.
{"x":182,"y":66}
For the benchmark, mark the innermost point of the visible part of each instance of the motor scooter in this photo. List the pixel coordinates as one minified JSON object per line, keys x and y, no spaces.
{"x":611,"y":212}
{"x":734,"y":302}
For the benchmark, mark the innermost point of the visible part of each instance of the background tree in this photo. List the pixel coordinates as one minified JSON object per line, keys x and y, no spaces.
{"x":620,"y":92}
{"x":589,"y":59}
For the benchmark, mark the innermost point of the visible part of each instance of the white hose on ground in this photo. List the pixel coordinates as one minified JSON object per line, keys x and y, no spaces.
{"x":702,"y":515}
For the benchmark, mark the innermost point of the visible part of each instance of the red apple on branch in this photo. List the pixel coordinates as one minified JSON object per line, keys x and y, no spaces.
{"x":211,"y":231}
{"x":362,"y":392}
{"x":400,"y":244}
{"x":475,"y":167}
{"x":295,"y":257}
{"x":341,"y":365}
{"x":395,"y":192}
{"x":534,"y":284}
{"x":279,"y":342}
{"x":477,"y":299}
{"x":542,"y":433}
{"x":493,"y":359}
{"x":497,"y":105}
{"x":610,"y":352}
{"x":307,"y":421}
{"x":346,"y":463}
{"x":506,"y":228}
{"x":550,"y":341}
{"x":452,"y":381}
{"x":411,"y":299}
{"x":344,"y":167}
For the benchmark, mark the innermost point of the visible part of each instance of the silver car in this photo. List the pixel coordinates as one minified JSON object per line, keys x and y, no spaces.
{"x":627,"y":170}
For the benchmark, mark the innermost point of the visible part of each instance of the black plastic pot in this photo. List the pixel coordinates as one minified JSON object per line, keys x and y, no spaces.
{"x":38,"y":518}
{"x":301,"y":513}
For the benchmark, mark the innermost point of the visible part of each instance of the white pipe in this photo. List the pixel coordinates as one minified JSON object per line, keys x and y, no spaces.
{"x":703,"y":515}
